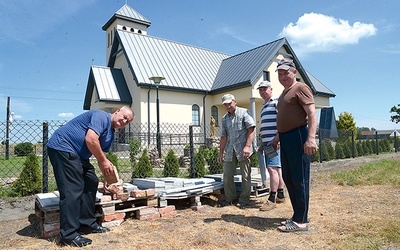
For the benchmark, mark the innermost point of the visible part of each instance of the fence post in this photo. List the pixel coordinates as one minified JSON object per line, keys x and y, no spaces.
{"x":353,"y":153}
{"x":45,"y":159}
{"x":395,"y":142}
{"x":376,"y":142}
{"x":320,"y":145}
{"x":192,"y":168}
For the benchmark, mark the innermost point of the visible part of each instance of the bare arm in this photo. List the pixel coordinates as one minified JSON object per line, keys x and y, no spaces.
{"x":249,"y":141}
{"x":93,"y":144}
{"x":310,"y":146}
{"x":222,"y":145}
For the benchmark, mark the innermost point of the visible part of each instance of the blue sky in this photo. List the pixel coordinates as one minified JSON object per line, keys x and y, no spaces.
{"x":353,"y":47}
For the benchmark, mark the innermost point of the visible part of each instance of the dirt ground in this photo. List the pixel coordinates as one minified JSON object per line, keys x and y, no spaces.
{"x":342,"y":217}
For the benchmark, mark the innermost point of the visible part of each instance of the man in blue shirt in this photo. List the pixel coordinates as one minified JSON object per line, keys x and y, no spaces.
{"x":69,"y":149}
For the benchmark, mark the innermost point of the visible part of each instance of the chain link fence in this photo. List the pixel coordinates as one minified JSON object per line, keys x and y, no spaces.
{"x":186,"y":151}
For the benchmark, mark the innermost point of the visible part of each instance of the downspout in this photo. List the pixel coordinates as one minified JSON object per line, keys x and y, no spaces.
{"x":148,"y":117}
{"x":204,"y":117}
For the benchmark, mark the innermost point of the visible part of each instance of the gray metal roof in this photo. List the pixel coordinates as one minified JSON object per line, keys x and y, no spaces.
{"x":126,"y":12}
{"x":319,"y":86}
{"x":246,"y":67}
{"x":110,"y":86}
{"x":183,"y":66}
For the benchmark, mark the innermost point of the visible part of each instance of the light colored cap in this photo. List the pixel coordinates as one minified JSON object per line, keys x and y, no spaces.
{"x":263,"y":84}
{"x":285,"y":64}
{"x":227,"y":98}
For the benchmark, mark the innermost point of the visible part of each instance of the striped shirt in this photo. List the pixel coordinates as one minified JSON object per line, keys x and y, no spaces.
{"x":268,"y":128}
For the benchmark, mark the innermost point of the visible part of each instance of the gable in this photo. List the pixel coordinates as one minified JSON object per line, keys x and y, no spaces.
{"x":109,"y":84}
{"x":245,"y":68}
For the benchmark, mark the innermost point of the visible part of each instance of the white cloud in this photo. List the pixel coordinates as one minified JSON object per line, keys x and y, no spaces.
{"x":66,"y":115}
{"x":315,"y":32}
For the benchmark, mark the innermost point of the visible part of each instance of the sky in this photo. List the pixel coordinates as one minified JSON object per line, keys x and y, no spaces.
{"x":352,"y":46}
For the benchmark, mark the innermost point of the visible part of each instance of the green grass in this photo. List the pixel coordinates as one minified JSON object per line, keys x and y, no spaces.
{"x":11,"y":167}
{"x":384,"y":172}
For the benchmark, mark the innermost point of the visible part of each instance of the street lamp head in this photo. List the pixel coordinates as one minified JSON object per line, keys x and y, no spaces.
{"x":156,"y":79}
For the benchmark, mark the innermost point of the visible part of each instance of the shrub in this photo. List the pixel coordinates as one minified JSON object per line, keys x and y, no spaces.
{"x":135,"y":146}
{"x":113,"y":158}
{"x":339,"y":151}
{"x":23,"y":149}
{"x":360,"y":151}
{"x":254,"y":160}
{"x":199,"y":166}
{"x":30,"y":179}
{"x":211,"y":155}
{"x":142,"y":168}
{"x":171,"y":165}
{"x":324,"y":151}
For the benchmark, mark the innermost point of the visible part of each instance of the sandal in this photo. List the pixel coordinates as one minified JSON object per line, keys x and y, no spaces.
{"x":291,"y":226}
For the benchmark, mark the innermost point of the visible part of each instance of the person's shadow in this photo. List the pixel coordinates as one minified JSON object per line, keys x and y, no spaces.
{"x":255,"y":222}
{"x":32,"y":230}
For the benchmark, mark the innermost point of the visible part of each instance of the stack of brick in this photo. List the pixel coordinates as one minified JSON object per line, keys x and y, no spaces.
{"x":48,"y":214}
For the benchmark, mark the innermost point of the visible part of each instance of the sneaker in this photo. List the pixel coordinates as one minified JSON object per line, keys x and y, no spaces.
{"x":78,"y":241}
{"x":241,"y":205}
{"x":225,"y":203}
{"x":268,"y":205}
{"x":280,"y":200}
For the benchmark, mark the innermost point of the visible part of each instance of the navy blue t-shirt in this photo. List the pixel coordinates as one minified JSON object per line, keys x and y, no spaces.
{"x":71,"y":136}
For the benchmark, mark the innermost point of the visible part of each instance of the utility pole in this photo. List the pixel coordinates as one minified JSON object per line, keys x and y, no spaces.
{"x":8,"y":129}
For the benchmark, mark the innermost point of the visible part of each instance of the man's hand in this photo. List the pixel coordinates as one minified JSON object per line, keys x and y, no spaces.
{"x":310,"y":147}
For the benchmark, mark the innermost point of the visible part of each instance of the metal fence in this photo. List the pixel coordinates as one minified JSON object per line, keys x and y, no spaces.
{"x":186,"y":151}
{"x":191,"y":147}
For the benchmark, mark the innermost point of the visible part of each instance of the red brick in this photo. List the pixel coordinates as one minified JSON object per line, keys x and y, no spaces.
{"x":47,"y":227}
{"x":148,"y":216}
{"x":116,"y":216}
{"x":105,"y":198}
{"x":169,"y":214}
{"x":152,"y":202}
{"x":110,"y":209}
{"x":196,"y":208}
{"x":167,"y":209}
{"x":150,"y":192}
{"x":114,"y":223}
{"x":123,"y":196}
{"x":146,"y":210}
{"x":50,"y":233}
{"x":138,"y":193}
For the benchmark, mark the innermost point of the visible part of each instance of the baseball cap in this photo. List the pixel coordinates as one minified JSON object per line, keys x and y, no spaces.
{"x":265,"y":84}
{"x":227,"y":98}
{"x":285,"y":64}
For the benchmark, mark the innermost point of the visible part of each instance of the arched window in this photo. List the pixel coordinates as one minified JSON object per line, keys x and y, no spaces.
{"x":124,"y":28}
{"x":214,"y":113}
{"x":195,"y":115}
{"x":132,"y":30}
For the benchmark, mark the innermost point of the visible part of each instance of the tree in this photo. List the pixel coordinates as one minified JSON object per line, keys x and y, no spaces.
{"x":395,"y":118}
{"x":346,"y":127}
{"x":23,"y":149}
{"x":142,"y":168}
{"x":30,"y":179}
{"x":171,"y":165}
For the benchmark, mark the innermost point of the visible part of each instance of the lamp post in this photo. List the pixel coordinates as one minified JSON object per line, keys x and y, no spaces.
{"x":157,"y":80}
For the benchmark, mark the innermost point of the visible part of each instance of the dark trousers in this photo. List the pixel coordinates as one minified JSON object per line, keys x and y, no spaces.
{"x":296,"y":171}
{"x":77,"y":183}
